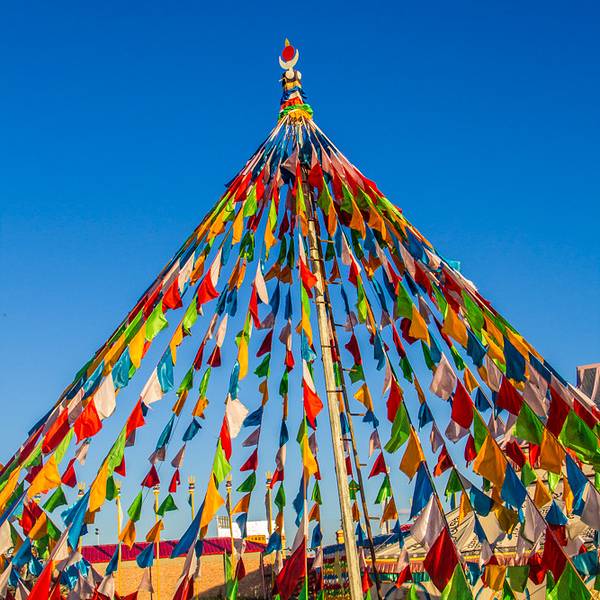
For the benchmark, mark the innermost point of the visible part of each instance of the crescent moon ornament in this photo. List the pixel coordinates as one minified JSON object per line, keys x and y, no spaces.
{"x":289,"y":64}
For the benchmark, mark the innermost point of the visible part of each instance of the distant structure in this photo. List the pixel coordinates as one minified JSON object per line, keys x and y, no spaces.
{"x":588,"y":381}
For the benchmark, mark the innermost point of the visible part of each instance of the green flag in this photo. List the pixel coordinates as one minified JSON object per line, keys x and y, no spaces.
{"x":280,"y":498}
{"x":221,"y":465}
{"x":62,"y":448}
{"x":457,"y":588}
{"x":263,"y":369}
{"x":385,"y":491}
{"x":191,"y":315}
{"x":528,"y":427}
{"x":156,"y":322}
{"x":316,"y":493}
{"x":166,"y":505}
{"x":400,"y":430}
{"x":579,"y":437}
{"x":135,"y":510}
{"x":569,"y":585}
{"x":57,"y":499}
{"x":248,"y":484}
{"x":404,"y":304}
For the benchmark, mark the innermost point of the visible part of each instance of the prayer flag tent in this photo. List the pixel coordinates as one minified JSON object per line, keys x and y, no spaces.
{"x":307,"y":291}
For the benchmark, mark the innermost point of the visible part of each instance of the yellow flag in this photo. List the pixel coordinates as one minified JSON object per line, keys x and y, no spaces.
{"x":40,"y":529}
{"x":454,"y":327}
{"x":242,"y":505}
{"x":567,"y":495}
{"x":464,"y":508}
{"x":390,"y":512}
{"x":243,"y":356}
{"x":308,"y":459}
{"x":110,"y":358}
{"x":175,"y":341}
{"x":136,"y":347}
{"x":491,"y":329}
{"x":154,"y":534}
{"x":98,"y":488}
{"x":200,"y":408}
{"x":270,"y":239}
{"x":364,"y":396}
{"x":357,"y":222}
{"x":238,"y":228}
{"x":47,"y":478}
{"x":212,"y":503}
{"x":552,"y":455}
{"x":128,"y":534}
{"x":418,"y":327}
{"x":494,"y":577}
{"x":494,"y":350}
{"x":470,"y":381}
{"x":490,"y":462}
{"x":542,"y":494}
{"x":9,"y":488}
{"x":413,"y":456}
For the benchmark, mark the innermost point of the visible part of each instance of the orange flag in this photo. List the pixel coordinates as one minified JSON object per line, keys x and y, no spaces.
{"x":46,"y":479}
{"x":490,"y":462}
{"x":212,"y":503}
{"x":413,"y":456}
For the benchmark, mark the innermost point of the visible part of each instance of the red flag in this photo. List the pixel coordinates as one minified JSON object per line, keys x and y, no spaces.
{"x":185,"y":591}
{"x":135,"y":420}
{"x":312,"y":404}
{"x":240,"y":570}
{"x":537,"y":570}
{"x":55,"y":593}
{"x":225,"y":439}
{"x":252,"y":463}
{"x":293,"y":570}
{"x":553,"y":557}
{"x":41,"y":588}
{"x":88,"y":423}
{"x":253,"y":307}
{"x":509,"y":398}
{"x":265,"y":347}
{"x":278,"y":475}
{"x":56,"y":432}
{"x":378,"y":466}
{"x":394,"y":400}
{"x":151,"y":478}
{"x":366,"y":582}
{"x":69,"y":478}
{"x":557,"y":414}
{"x":514,"y":452}
{"x":120,"y":469}
{"x":308,"y":278}
{"x":470,"y":451}
{"x":214,"y":360}
{"x":444,"y":462}
{"x":403,"y":576}
{"x":352,"y":347}
{"x":441,"y":560}
{"x":172,"y":297}
{"x":175,"y":481}
{"x":206,"y":290}
{"x":462,"y":406}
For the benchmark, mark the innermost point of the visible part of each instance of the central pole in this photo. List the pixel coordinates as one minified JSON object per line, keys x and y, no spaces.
{"x":333,"y":399}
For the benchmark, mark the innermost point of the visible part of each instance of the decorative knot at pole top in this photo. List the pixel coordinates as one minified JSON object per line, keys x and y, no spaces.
{"x":293,"y":103}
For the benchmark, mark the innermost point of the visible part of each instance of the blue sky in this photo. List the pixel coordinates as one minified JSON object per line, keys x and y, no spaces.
{"x":121,"y":124}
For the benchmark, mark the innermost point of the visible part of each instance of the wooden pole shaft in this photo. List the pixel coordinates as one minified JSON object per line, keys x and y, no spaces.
{"x":333,"y":399}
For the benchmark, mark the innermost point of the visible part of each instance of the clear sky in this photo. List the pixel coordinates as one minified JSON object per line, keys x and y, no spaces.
{"x":121,"y":122}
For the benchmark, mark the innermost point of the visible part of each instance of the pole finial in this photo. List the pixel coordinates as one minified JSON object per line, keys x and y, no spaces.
{"x":293,"y":100}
